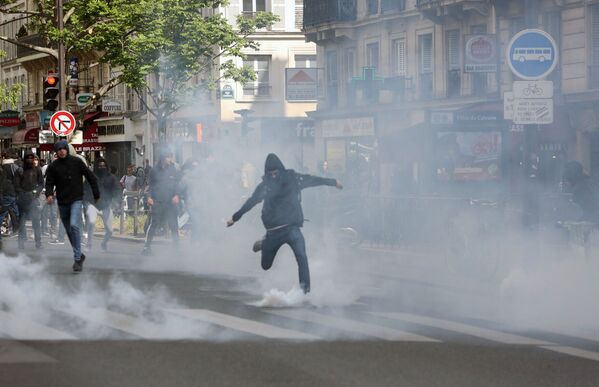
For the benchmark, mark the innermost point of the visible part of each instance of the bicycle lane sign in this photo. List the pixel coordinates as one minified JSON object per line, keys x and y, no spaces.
{"x":532,"y":54}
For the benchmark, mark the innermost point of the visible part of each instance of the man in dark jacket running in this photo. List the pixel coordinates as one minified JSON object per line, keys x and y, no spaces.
{"x":109,"y":190}
{"x":29,"y":186}
{"x":282,"y":213}
{"x":163,"y":197}
{"x":66,"y":175}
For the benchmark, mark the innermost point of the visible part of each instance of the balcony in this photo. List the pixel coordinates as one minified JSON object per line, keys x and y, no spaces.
{"x":439,"y":10}
{"x":319,"y":12}
{"x":35,"y":40}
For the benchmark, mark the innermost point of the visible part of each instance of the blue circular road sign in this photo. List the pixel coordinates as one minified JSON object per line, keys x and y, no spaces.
{"x":532,"y":54}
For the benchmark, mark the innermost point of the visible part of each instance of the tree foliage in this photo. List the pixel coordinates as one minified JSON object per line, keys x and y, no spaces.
{"x":158,"y":46}
{"x":9,"y":95}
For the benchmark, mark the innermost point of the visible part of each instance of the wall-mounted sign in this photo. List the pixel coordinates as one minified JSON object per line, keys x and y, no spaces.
{"x":348,"y":127}
{"x":112,"y":106}
{"x":83,"y":98}
{"x":74,"y":72}
{"x":9,"y":118}
{"x":227,"y":92}
{"x":481,"y":54}
{"x":301,"y":84}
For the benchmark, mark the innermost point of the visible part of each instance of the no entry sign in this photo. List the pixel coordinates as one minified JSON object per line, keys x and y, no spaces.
{"x":62,"y":123}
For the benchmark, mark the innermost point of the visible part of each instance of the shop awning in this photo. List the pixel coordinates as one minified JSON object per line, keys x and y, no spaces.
{"x":26,"y":136}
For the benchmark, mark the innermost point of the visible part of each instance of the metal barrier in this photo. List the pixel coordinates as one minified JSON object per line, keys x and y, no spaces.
{"x":135,"y":212}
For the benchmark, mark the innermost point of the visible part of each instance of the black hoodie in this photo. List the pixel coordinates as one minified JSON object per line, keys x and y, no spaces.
{"x":30,"y":182}
{"x":108,"y":184}
{"x":66,"y":174}
{"x":281,"y":194}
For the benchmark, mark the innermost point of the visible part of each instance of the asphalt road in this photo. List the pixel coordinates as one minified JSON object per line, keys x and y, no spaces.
{"x":201,"y":316}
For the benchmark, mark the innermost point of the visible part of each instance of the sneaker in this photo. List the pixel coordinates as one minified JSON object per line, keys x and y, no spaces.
{"x":78,"y":265}
{"x":257,"y":245}
{"x":56,"y":242}
{"x":146,"y":252}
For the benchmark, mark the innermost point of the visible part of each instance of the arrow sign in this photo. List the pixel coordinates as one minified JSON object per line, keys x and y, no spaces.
{"x":62,"y":123}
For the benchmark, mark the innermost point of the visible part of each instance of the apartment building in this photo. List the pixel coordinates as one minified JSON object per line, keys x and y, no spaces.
{"x":411,"y":83}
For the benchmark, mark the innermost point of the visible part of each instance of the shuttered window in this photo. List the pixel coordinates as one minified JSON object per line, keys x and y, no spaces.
{"x":426,"y":53}
{"x":399,"y":57}
{"x":595,"y":34}
{"x":453,"y":49}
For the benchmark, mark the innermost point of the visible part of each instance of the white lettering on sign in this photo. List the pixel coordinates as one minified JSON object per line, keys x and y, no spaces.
{"x":533,"y":111}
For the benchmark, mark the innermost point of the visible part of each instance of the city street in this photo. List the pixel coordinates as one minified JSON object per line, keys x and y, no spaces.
{"x":189,"y":319}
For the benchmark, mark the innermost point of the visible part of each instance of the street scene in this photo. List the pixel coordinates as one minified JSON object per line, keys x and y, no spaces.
{"x":299,"y":193}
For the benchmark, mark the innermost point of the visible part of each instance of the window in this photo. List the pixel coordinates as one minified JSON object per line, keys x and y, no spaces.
{"x":393,"y":5}
{"x":398,"y":59}
{"x":251,"y":6}
{"x":479,"y":80}
{"x":332,"y":79}
{"x":453,"y":63}
{"x":307,"y":61}
{"x":350,"y":64}
{"x":261,"y":66}
{"x":594,"y":68}
{"x":372,"y":55}
{"x":373,"y":7}
{"x":426,"y":65}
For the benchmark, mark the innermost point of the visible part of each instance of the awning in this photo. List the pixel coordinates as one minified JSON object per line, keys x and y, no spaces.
{"x":26,"y":136}
{"x":86,"y":147}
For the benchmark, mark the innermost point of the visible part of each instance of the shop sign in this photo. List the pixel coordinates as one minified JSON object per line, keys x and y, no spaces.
{"x":112,"y":106}
{"x":9,"y":118}
{"x":348,"y":127}
{"x":481,"y":54}
{"x":301,"y":84}
{"x":477,"y":117}
{"x":32,"y":120}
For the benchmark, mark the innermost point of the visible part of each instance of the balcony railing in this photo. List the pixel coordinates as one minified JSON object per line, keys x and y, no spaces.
{"x":318,"y":12}
{"x":594,"y":77}
{"x":35,"y":40}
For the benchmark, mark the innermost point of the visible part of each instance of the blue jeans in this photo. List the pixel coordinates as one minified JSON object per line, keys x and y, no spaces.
{"x":292,"y":236}
{"x":70,"y":214}
{"x":8,"y":203}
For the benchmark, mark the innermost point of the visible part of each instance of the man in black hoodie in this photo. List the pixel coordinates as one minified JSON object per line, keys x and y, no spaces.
{"x":29,"y":186}
{"x":282,"y":213}
{"x":109,"y":190}
{"x":163,"y":197}
{"x":66,"y":175}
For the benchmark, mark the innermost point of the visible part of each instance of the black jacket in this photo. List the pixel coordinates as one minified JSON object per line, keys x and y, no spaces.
{"x":109,"y":187}
{"x":29,"y":185}
{"x":12,"y":173}
{"x":282,"y":198}
{"x":164,"y":183}
{"x":67,"y":176}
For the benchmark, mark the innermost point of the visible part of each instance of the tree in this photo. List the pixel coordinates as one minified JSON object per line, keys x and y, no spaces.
{"x":9,"y":95}
{"x":158,"y":45}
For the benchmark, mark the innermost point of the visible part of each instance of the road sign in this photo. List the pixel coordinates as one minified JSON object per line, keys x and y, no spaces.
{"x":533,"y":89}
{"x":533,"y":111}
{"x":62,"y":123}
{"x":532,"y":54}
{"x":508,"y":105}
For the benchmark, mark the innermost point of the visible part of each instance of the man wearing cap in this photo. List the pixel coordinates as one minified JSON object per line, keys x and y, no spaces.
{"x":65,"y":175}
{"x":282,"y":213}
{"x":163,"y":197}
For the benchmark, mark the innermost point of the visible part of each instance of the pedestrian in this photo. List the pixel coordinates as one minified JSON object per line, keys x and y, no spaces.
{"x":9,"y":195}
{"x":30,"y":184}
{"x":129,"y":183}
{"x":282,"y":214}
{"x":163,"y":197}
{"x":65,"y":175}
{"x":109,"y":190}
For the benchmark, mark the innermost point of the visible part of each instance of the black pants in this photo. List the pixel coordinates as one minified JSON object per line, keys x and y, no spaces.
{"x":292,"y":236}
{"x":163,"y":212}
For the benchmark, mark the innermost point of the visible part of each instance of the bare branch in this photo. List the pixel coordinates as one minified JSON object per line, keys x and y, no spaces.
{"x":44,"y":50}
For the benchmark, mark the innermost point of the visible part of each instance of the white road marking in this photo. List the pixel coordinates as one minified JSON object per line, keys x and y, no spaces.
{"x":242,"y":324}
{"x":573,"y":352}
{"x":353,"y":326}
{"x":14,"y":352}
{"x":471,"y":330}
{"x":22,"y":328}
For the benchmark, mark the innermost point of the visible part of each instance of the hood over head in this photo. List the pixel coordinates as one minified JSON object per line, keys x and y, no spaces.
{"x":62,"y":144}
{"x":273,"y":163}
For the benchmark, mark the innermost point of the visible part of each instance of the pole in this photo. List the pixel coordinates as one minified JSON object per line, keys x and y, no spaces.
{"x":61,"y":59}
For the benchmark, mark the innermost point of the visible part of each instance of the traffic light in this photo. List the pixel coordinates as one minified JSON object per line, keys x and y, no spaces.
{"x":51,"y":91}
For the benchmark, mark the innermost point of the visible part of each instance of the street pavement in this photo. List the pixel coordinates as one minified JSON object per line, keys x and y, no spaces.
{"x":200,"y":316}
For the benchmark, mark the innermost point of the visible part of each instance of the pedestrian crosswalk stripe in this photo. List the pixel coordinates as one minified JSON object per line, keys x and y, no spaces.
{"x":471,"y":330}
{"x":573,"y":352}
{"x":344,"y":324}
{"x":242,"y":324}
{"x":23,"y":328}
{"x":12,"y":352}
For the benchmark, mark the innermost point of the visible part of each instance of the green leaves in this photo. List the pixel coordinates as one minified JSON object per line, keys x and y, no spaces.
{"x":9,"y":94}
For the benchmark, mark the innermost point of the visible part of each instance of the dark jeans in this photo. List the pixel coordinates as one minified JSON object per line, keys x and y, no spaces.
{"x":9,"y":203}
{"x":163,"y":212}
{"x":31,"y":211}
{"x":70,"y":214}
{"x":293,"y":236}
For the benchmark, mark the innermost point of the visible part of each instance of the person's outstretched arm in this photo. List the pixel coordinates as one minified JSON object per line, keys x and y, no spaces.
{"x":256,"y":198}
{"x":307,"y":181}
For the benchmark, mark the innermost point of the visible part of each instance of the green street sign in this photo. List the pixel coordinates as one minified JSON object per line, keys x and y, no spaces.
{"x":83,"y":98}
